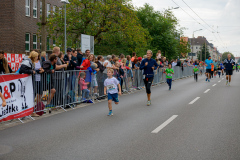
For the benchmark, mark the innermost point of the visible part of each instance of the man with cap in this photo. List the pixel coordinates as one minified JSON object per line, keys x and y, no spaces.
{"x":67,"y":58}
{"x":208,"y":63}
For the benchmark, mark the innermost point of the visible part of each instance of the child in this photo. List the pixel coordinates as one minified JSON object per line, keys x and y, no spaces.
{"x":195,"y":72}
{"x":219,"y":70}
{"x":84,"y":86}
{"x":169,"y":72}
{"x":3,"y":100}
{"x":112,"y":87}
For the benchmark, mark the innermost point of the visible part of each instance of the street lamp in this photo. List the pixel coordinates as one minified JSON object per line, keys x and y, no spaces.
{"x":191,"y":41}
{"x":65,"y":32}
{"x":170,"y":10}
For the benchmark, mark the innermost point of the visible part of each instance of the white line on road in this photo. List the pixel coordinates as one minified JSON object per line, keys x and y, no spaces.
{"x":222,"y":78}
{"x":207,"y":90}
{"x":219,"y":81}
{"x":164,"y":124}
{"x":194,"y":100}
{"x":214,"y":85}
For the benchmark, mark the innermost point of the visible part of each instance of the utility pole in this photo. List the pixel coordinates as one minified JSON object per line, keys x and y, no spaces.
{"x":205,"y":48}
{"x":44,"y":22}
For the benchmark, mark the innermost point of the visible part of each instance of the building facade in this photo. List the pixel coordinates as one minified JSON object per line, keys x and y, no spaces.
{"x":19,"y":29}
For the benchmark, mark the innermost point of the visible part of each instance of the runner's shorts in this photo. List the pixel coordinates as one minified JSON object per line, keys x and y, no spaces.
{"x":208,"y":71}
{"x":229,"y":72}
{"x":113,"y":97}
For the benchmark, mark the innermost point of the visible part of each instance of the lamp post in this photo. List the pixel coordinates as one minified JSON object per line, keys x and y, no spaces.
{"x":170,"y":10}
{"x":191,"y":41}
{"x":65,"y":32}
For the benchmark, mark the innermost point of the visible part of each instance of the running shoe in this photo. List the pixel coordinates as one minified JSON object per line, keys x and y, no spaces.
{"x":110,"y":113}
{"x":226,"y":82}
{"x":209,"y":80}
{"x":148,"y":103}
{"x":229,"y":84}
{"x":206,"y":79}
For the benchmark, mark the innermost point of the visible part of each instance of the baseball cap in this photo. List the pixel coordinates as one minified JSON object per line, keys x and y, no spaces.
{"x":69,"y":50}
{"x":139,"y":58}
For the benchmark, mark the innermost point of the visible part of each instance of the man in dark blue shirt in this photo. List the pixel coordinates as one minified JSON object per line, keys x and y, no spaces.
{"x":148,"y":65}
{"x":228,"y":64}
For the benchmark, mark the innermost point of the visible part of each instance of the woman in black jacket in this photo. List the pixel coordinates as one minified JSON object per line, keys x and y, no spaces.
{"x":28,"y":64}
{"x":101,"y":76}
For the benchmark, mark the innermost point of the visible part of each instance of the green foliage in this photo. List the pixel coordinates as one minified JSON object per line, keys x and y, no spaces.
{"x":225,"y":54}
{"x":113,"y":23}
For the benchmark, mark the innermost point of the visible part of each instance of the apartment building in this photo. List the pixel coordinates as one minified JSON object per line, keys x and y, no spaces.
{"x":19,"y":27}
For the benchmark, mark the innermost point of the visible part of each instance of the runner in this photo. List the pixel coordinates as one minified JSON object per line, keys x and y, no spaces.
{"x":148,"y":65}
{"x":195,"y":72}
{"x":219,"y":70}
{"x":208,"y":63}
{"x":222,"y":67}
{"x":215,"y":63}
{"x":229,"y":63}
{"x":169,"y":72}
{"x":113,"y":89}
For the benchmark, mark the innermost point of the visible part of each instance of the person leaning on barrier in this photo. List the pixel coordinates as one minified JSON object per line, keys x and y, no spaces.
{"x":100,"y":76}
{"x":49,"y":67}
{"x":4,"y":67}
{"x":27,"y":66}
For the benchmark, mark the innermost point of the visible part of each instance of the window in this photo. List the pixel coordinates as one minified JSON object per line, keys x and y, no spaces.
{"x":40,"y":40}
{"x":27,"y":7}
{"x":34,"y":41}
{"x":27,"y":42}
{"x":40,"y":8}
{"x":48,"y":43}
{"x":35,"y":8}
{"x":48,"y":9}
{"x":54,"y":9}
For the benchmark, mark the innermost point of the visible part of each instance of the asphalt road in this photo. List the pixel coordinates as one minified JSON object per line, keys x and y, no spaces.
{"x":170,"y":129}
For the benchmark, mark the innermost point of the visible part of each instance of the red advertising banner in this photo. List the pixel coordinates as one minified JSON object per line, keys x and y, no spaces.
{"x":12,"y":57}
{"x":18,"y":93}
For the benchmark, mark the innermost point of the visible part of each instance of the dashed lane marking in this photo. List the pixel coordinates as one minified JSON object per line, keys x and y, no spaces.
{"x":214,"y":85}
{"x":159,"y":128}
{"x":194,"y":100}
{"x":207,"y":90}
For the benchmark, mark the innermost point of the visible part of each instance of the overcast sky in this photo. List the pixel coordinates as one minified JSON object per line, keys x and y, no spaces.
{"x":222,"y":15}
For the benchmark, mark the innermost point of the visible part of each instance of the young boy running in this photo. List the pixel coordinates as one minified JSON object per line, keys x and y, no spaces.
{"x":169,"y":72}
{"x":113,"y":88}
{"x":195,"y":72}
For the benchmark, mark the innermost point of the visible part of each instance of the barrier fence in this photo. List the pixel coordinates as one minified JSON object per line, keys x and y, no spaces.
{"x":66,"y":89}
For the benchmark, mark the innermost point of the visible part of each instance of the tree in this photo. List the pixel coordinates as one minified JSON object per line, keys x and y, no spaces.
{"x":162,"y":29}
{"x":113,"y":23}
{"x":184,"y":47}
{"x":203,"y":52}
{"x":225,"y":54}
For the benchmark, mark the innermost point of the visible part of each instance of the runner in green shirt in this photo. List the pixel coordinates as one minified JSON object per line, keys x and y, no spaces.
{"x":169,"y":72}
{"x":195,"y":72}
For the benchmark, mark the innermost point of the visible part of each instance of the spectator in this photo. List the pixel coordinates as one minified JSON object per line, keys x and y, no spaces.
{"x":137,"y":65}
{"x":107,"y":62}
{"x":101,"y":76}
{"x":122,"y":56}
{"x":38,"y":82}
{"x":43,"y":56}
{"x":61,"y":56}
{"x":144,"y":57}
{"x":112,"y":61}
{"x":68,"y":56}
{"x":174,"y":63}
{"x":87,"y":53}
{"x":83,"y":86}
{"x":58,"y":77}
{"x":74,"y":61}
{"x":27,"y":66}
{"x":178,"y":63}
{"x":120,"y":74}
{"x":4,"y":67}
{"x":49,"y":67}
{"x":133,"y":56}
{"x":79,"y":57}
{"x":158,"y":55}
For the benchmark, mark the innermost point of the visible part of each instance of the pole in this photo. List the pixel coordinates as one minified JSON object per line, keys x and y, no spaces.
{"x":205,"y":48}
{"x":44,"y":22}
{"x":65,"y":34}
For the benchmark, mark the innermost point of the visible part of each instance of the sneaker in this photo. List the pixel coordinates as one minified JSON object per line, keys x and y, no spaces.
{"x":148,"y":103}
{"x":209,"y":80}
{"x":229,"y":84}
{"x":110,"y":113}
{"x":226,"y":82}
{"x":206,"y":79}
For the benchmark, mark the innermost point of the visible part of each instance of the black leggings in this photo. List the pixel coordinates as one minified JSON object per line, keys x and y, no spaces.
{"x":148,"y":84}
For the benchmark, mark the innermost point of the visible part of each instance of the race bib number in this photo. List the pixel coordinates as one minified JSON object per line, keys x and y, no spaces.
{"x":111,"y":87}
{"x":169,"y":74}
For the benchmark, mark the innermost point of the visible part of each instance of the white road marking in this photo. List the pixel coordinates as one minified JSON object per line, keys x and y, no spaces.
{"x":164,"y":124}
{"x":214,"y":85}
{"x":222,"y":78}
{"x":219,"y":81}
{"x":194,"y":100}
{"x":207,"y":90}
